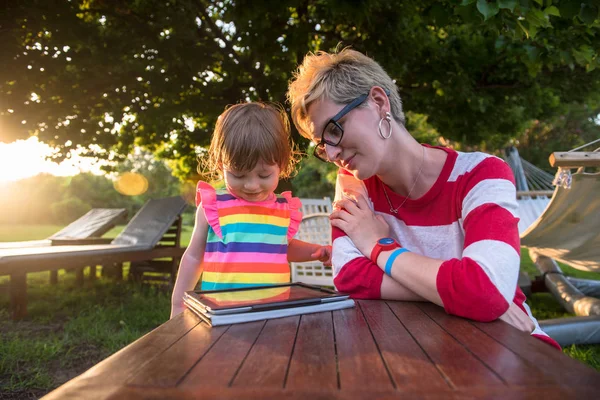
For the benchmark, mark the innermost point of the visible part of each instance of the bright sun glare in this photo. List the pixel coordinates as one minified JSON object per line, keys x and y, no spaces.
{"x":25,"y":158}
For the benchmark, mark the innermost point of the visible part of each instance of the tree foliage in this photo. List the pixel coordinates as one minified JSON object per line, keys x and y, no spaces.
{"x":108,"y":76}
{"x":575,"y":126}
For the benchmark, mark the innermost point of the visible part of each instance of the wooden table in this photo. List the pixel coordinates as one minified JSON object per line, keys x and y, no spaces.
{"x":376,"y":350}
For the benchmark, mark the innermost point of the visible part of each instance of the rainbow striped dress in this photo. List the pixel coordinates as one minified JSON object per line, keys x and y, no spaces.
{"x":247,"y":241}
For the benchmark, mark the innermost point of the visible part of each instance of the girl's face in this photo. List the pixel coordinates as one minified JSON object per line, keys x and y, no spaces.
{"x":255,"y":185}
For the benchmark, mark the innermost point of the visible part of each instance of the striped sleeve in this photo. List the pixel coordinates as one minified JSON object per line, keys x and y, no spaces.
{"x":353,"y":272}
{"x":482,"y":284}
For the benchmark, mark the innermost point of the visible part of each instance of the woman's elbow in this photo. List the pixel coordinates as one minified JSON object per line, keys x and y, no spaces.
{"x":479,"y":308}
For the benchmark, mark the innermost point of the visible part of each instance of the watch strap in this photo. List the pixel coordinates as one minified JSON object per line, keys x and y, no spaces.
{"x":378,"y":248}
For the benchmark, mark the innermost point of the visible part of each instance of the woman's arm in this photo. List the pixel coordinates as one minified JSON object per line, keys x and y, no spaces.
{"x":354,"y":217}
{"x":299,"y":251}
{"x":190,"y":267}
{"x":353,"y":272}
{"x":481,"y":284}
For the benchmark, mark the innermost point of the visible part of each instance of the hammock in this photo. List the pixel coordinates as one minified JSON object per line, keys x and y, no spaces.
{"x":569,"y":228}
{"x":565,"y":227}
{"x":534,"y":188}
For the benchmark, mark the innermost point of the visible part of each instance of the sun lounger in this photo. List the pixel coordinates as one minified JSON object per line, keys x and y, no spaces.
{"x":85,"y":230}
{"x":139,"y":241}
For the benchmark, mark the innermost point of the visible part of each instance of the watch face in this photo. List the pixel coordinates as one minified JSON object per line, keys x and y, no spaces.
{"x":386,"y":241}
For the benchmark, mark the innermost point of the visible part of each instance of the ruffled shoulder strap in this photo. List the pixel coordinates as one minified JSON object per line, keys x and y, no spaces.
{"x":206,"y":197}
{"x":295,"y":205}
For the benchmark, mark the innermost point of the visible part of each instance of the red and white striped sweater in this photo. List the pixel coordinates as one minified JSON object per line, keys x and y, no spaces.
{"x":468,"y":218}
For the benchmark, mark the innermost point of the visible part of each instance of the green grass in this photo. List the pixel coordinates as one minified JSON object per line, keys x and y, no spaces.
{"x":545,"y":306}
{"x":69,"y":329}
{"x":17,"y":233}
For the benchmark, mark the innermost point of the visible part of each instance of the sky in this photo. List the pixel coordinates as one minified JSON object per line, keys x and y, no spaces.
{"x":26,"y":158}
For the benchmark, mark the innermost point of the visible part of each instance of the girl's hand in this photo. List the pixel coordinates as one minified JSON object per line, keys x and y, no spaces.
{"x":353,"y":215}
{"x":323,"y":254}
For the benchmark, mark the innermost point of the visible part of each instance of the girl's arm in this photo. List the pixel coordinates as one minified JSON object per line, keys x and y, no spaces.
{"x":190,"y":267}
{"x":299,"y":251}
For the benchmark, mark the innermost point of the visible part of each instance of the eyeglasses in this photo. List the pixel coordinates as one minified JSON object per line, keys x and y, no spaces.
{"x":333,"y":131}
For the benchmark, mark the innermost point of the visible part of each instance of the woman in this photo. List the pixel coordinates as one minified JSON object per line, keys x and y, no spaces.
{"x":411,"y":221}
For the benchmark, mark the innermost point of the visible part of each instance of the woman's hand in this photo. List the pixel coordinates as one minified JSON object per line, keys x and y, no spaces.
{"x":517,"y":318}
{"x":353,"y":215}
{"x":323,"y":254}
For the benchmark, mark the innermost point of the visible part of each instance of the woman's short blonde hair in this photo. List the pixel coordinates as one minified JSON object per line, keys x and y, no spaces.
{"x":247,"y":133}
{"x":340,"y":77}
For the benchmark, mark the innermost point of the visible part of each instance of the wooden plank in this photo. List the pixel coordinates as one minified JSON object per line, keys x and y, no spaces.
{"x":79,"y":276}
{"x":220,"y":364}
{"x":313,"y":361}
{"x":408,"y":364}
{"x":453,"y":359}
{"x":170,"y":367}
{"x":262,"y":373}
{"x":113,"y":271}
{"x":83,"y":241}
{"x":54,"y":277}
{"x":84,"y":390}
{"x":82,"y":257}
{"x":118,"y":271}
{"x":121,"y":366}
{"x":535,"y":193}
{"x":574,"y":159}
{"x":359,"y":361}
{"x":560,"y":367}
{"x":18,"y":295}
{"x":508,"y":365}
{"x":267,"y":363}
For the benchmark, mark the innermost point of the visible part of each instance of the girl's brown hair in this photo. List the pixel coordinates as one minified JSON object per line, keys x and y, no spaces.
{"x":248,"y":133}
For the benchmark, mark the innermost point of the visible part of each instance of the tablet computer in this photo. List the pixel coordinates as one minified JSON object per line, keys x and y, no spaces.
{"x":261,"y":298}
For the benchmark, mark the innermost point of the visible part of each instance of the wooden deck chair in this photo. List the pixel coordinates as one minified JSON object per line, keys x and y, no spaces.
{"x":314,"y":228}
{"x":87,"y":229}
{"x":139,"y":241}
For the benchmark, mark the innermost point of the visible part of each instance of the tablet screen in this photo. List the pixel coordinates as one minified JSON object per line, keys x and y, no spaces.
{"x":264,"y":295}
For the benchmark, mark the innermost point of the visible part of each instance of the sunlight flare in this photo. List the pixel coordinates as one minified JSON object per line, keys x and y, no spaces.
{"x":25,"y":158}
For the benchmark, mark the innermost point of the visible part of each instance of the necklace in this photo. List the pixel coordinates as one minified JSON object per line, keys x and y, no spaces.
{"x":395,"y":210}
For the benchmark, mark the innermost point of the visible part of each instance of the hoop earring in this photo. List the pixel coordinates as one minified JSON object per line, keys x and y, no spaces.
{"x":388,"y":119}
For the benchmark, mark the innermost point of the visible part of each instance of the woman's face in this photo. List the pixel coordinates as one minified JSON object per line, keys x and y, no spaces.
{"x":359,"y":151}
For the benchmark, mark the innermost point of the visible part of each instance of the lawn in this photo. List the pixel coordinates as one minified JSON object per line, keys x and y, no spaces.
{"x":69,"y":329}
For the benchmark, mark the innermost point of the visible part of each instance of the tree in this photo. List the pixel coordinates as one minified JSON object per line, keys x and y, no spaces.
{"x":576,"y":125}
{"x":55,"y":199}
{"x":110,"y":76}
{"x":315,"y":179}
{"x":29,"y":200}
{"x":159,"y":177}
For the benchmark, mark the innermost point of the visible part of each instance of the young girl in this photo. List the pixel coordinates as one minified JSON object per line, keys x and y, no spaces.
{"x":243,"y":234}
